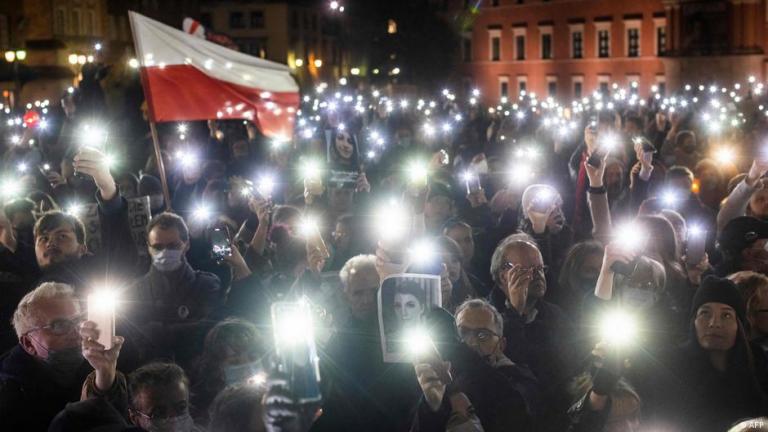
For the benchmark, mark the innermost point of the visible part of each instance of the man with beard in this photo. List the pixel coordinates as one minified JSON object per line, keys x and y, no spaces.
{"x":743,"y":245}
{"x":46,"y":370}
{"x":59,"y":252}
{"x":360,"y":391}
{"x":538,"y":333}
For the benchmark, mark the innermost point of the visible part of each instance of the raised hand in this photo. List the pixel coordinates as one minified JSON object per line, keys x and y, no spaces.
{"x":104,"y":362}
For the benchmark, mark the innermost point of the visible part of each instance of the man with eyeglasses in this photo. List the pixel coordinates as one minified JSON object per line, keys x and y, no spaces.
{"x":503,"y":395}
{"x":159,"y":398}
{"x":538,"y":333}
{"x":169,"y":304}
{"x":57,"y":351}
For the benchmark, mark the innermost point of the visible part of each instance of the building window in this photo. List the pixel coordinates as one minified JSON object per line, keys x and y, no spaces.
{"x":60,"y":21}
{"x":90,"y":22}
{"x":391,"y":26}
{"x":520,"y":47}
{"x":603,"y":43}
{"x":75,"y":24}
{"x":661,"y":40}
{"x":236,"y":20}
{"x":577,"y":44}
{"x":552,"y":87}
{"x":294,"y":20}
{"x":503,"y":86}
{"x":522,"y":86}
{"x":633,"y":42}
{"x":494,"y":3}
{"x":546,"y":46}
{"x":577,"y":89}
{"x":467,"y":50}
{"x":495,"y":48}
{"x":257,"y":19}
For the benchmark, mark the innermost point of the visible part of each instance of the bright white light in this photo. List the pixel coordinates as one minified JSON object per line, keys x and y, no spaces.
{"x":422,"y":252}
{"x":404,"y":103}
{"x":308,"y":227}
{"x":22,"y":167}
{"x":187,"y":159}
{"x":725,"y":155}
{"x":396,"y":71}
{"x":75,"y":209}
{"x":417,"y":172}
{"x":182,"y":128}
{"x":294,"y":327}
{"x":15,"y":140}
{"x":475,"y":92}
{"x":391,"y":220}
{"x":202,"y":213}
{"x":43,"y":125}
{"x":521,"y":173}
{"x":102,"y":300}
{"x":520,"y":115}
{"x":265,"y":186}
{"x":258,"y":379}
{"x":695,"y":230}
{"x":92,"y":136}
{"x":310,"y":169}
{"x":669,"y":198}
{"x":334,"y":5}
{"x":371,"y":154}
{"x":618,"y":328}
{"x":133,"y":63}
{"x":418,"y":341}
{"x":629,"y":236}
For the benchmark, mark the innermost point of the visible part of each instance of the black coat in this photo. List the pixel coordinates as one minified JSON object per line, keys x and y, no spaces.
{"x":360,"y":391}
{"x":505,"y":397}
{"x":30,"y":397}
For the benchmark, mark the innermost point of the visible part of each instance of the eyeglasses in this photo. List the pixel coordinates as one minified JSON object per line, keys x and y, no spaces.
{"x":165,"y":411}
{"x":481,"y":334}
{"x":61,"y":326}
{"x":540,"y":268}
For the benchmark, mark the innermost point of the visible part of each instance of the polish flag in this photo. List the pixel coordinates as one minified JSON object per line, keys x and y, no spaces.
{"x":189,"y":78}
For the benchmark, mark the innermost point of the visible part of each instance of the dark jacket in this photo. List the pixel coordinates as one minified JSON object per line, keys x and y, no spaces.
{"x":687,"y":392}
{"x":360,"y":391}
{"x":547,"y":345}
{"x":169,"y":314}
{"x":30,"y":396}
{"x":505,"y":397}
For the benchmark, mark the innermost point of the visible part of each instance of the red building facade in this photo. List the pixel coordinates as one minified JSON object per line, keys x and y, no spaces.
{"x":570,"y":48}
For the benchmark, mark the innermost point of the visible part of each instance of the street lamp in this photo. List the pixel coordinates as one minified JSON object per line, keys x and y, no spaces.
{"x":14,"y":57}
{"x":72,"y":59}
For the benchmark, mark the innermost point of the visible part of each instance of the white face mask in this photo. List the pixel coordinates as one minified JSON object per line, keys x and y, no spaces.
{"x":636,"y":298}
{"x":168,"y":259}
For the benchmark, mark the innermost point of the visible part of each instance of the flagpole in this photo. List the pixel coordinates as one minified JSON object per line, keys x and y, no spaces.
{"x":160,"y":165}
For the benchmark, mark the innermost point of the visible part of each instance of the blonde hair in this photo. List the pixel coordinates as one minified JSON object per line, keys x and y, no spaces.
{"x":25,"y":316}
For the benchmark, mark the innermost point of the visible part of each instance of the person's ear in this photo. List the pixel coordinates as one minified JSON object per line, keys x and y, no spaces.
{"x":82,"y":249}
{"x":26,"y":344}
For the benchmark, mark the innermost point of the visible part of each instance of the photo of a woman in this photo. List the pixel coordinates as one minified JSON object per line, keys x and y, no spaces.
{"x":404,"y":300}
{"x":342,"y":155}
{"x":409,"y":303}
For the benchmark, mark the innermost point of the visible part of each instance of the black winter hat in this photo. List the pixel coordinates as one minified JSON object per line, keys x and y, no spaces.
{"x":719,"y":290}
{"x":741,"y":232}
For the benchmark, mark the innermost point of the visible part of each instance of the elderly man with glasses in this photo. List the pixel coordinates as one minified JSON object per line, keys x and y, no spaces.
{"x":480,"y":389}
{"x":57,"y":351}
{"x":538,"y":333}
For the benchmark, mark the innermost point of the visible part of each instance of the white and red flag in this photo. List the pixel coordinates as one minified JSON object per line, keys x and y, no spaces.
{"x":189,"y":78}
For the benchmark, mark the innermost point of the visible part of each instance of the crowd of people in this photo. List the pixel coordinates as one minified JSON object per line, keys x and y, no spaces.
{"x":603,"y":265}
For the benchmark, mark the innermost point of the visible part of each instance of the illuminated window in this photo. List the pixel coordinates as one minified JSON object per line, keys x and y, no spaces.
{"x":603,"y":43}
{"x":633,"y":42}
{"x":391,"y":26}
{"x":577,"y":44}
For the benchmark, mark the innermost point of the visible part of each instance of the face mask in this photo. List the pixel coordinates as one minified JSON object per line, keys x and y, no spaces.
{"x":240,"y":373}
{"x":64,"y":363}
{"x":168,"y":259}
{"x":182,"y":423}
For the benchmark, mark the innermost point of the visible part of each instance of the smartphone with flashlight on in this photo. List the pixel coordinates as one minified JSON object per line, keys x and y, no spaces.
{"x":695,"y":246}
{"x":295,"y":350}
{"x":44,"y":168}
{"x":597,"y":156}
{"x":221,"y":243}
{"x":101,"y":311}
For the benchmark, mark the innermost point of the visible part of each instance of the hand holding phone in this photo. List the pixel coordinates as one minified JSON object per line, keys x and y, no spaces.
{"x":101,"y":310}
{"x":221,"y":243}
